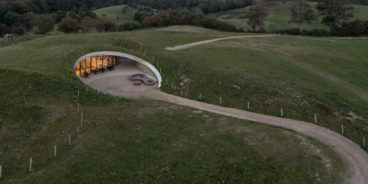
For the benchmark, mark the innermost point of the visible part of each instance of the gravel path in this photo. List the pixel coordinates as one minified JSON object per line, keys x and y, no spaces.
{"x":194,"y":44}
{"x":355,"y":157}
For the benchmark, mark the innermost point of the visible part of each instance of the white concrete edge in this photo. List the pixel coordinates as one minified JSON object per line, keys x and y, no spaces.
{"x":120,"y":54}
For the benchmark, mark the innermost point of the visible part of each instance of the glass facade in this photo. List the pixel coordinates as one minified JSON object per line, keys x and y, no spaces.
{"x":93,"y":65}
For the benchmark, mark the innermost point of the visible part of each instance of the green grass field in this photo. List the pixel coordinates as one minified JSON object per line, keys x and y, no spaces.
{"x":142,"y":141}
{"x":279,"y":16}
{"x":121,"y":14}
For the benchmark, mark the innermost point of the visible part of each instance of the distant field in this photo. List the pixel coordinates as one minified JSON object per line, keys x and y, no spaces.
{"x":121,"y":14}
{"x":279,"y":16}
{"x":142,"y":141}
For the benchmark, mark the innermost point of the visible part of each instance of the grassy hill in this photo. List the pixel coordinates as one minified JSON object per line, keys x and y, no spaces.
{"x":302,"y":75}
{"x":142,"y":141}
{"x":279,"y":16}
{"x":121,"y":13}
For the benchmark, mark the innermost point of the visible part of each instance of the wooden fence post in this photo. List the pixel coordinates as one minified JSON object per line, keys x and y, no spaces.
{"x":81,"y":121}
{"x":282,"y":112}
{"x":248,"y":105}
{"x":342,"y":129}
{"x":54,"y":150}
{"x":30,"y":164}
{"x":220,"y":100}
{"x":200,"y":96}
{"x":315,"y":118}
{"x":69,"y":140}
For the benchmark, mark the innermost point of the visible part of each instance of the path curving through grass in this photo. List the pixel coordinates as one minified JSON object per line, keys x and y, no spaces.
{"x":194,"y":44}
{"x":353,"y":154}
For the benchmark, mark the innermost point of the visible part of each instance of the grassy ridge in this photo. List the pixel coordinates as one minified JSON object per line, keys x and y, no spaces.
{"x":121,"y":14}
{"x":133,"y":141}
{"x":271,"y":73}
{"x":279,"y":16}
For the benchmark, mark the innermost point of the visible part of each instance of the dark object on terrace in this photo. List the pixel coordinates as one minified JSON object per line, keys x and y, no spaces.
{"x":140,"y":79}
{"x":85,"y":75}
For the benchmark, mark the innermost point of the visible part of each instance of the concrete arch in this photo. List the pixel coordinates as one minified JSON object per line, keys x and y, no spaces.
{"x":124,"y":55}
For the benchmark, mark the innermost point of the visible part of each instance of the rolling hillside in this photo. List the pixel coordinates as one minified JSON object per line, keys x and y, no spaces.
{"x":144,"y":141}
{"x":121,"y":14}
{"x":279,"y":16}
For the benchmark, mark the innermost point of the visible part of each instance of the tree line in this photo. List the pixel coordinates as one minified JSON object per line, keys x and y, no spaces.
{"x":19,"y":16}
{"x":337,"y":14}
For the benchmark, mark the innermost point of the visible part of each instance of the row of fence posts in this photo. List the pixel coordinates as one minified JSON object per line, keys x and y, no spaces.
{"x":282,"y":113}
{"x":172,"y":87}
{"x":248,"y":103}
{"x":30,"y":164}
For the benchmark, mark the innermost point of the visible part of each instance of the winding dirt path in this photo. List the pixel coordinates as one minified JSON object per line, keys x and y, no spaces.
{"x":354,"y":155}
{"x":194,"y":44}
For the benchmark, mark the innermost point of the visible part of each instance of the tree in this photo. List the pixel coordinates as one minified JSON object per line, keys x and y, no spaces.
{"x":10,"y":18}
{"x":2,"y":30}
{"x":68,"y":25}
{"x":302,"y":12}
{"x":335,"y":12}
{"x":87,"y":24}
{"x":105,"y":25}
{"x":256,"y":15}
{"x":44,"y":23}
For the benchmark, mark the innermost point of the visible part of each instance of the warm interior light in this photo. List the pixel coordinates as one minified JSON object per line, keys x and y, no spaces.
{"x":95,"y":64}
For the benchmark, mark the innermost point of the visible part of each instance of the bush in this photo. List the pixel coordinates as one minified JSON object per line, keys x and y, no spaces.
{"x":87,"y":24}
{"x":69,"y":25}
{"x":180,"y":17}
{"x":44,"y":23}
{"x":105,"y":25}
{"x":18,"y":29}
{"x":128,"y":27}
{"x":3,"y":29}
{"x":355,"y":28}
{"x":295,"y":31}
{"x":128,"y":44}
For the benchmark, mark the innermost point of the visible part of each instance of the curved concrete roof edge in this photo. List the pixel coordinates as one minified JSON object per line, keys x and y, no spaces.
{"x":120,"y":54}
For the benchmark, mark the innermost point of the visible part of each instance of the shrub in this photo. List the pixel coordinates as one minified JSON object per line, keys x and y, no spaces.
{"x":69,"y":25}
{"x":105,"y":25}
{"x":3,"y":29}
{"x":296,"y":31}
{"x":128,"y":44}
{"x":180,"y":17}
{"x":18,"y":29}
{"x":128,"y":27}
{"x":87,"y":24}
{"x":355,"y":28}
{"x":44,"y":23}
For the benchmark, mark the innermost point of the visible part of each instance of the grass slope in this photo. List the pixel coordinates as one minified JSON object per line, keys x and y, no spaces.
{"x":133,"y":141}
{"x":302,"y":75}
{"x":279,"y":16}
{"x":121,"y":14}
